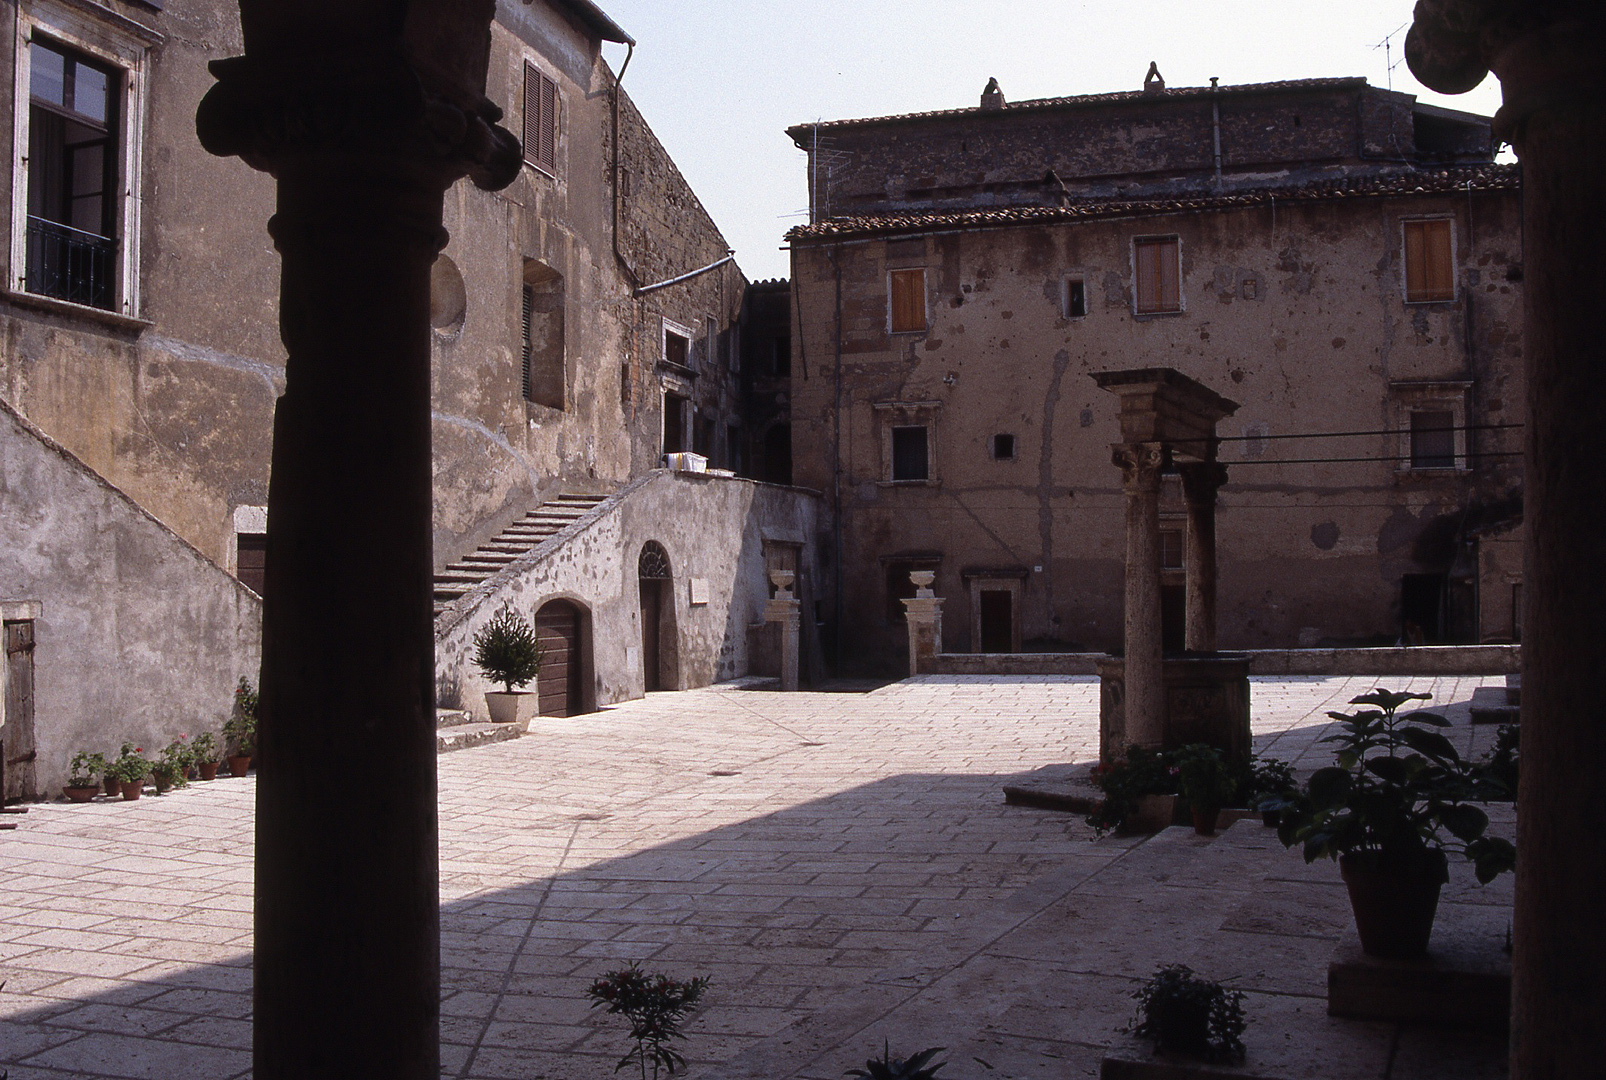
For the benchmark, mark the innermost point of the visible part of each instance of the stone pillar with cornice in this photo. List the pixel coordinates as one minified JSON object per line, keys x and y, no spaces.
{"x":785,"y":610}
{"x":365,"y":114}
{"x":1141,"y":465}
{"x":1549,"y":58}
{"x":923,"y":612}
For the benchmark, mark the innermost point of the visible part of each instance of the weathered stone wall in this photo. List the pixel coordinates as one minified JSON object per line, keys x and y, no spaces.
{"x":1295,"y":311}
{"x":714,"y":529}
{"x":140,"y":637}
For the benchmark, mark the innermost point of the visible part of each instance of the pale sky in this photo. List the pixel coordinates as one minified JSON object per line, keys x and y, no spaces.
{"x":721,"y":80}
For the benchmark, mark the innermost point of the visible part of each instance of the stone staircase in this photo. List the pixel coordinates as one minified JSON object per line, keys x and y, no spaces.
{"x":517,"y":540}
{"x":456,"y":730}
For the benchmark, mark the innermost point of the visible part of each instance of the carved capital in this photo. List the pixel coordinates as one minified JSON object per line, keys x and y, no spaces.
{"x":1141,"y":464}
{"x":1201,"y":480}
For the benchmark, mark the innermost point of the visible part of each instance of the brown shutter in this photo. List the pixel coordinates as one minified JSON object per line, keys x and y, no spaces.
{"x":1429,"y":269}
{"x":908,"y":300}
{"x":1159,"y":285}
{"x":549,"y":123}
{"x":540,"y":119}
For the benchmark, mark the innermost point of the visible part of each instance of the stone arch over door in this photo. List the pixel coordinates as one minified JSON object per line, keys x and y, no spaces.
{"x":564,"y":684}
{"x":660,"y":643}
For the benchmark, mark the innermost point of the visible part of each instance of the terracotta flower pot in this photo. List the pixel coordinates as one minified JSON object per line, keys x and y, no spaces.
{"x":162,"y":785}
{"x":1394,"y":901}
{"x":1204,"y":819}
{"x":132,"y":789}
{"x":82,"y":793}
{"x":208,"y":769}
{"x":1153,"y":813}
{"x":239,"y":764}
{"x":114,"y":786}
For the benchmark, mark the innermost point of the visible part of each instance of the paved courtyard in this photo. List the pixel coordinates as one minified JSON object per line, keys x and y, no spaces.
{"x":842,"y":865}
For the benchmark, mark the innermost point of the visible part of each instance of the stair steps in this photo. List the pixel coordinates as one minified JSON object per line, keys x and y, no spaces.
{"x":512,"y":543}
{"x":456,"y":730}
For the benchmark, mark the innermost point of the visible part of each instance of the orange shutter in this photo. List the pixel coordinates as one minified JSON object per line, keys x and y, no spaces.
{"x":908,"y":300}
{"x":1429,"y":269}
{"x":1159,"y":285}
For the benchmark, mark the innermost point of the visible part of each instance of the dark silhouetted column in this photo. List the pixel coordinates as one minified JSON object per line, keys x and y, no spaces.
{"x":365,"y":114}
{"x":1200,"y":482}
{"x":1549,"y":57}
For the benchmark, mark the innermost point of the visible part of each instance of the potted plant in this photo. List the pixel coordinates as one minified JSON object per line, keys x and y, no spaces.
{"x":507,"y":650}
{"x":81,"y":783}
{"x":1206,"y":783}
{"x":1140,"y":792}
{"x":1398,"y":800}
{"x":204,"y":750}
{"x":130,"y":769}
{"x":169,"y":770}
{"x":1183,"y":1014}
{"x":240,"y":729}
{"x":1270,"y":782}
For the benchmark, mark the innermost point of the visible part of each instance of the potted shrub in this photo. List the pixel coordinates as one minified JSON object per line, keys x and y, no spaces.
{"x":1398,"y":800}
{"x":1205,"y":782}
{"x":1182,"y":1014}
{"x":507,"y":650}
{"x":1140,"y":792}
{"x":130,"y":769}
{"x":240,"y":729}
{"x":169,"y":770}
{"x":1270,"y":782}
{"x":203,"y":748}
{"x":81,"y":783}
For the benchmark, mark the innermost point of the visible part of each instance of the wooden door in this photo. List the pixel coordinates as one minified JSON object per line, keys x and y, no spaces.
{"x":558,"y":685}
{"x":997,"y":621}
{"x":17,"y":751}
{"x":651,"y":655}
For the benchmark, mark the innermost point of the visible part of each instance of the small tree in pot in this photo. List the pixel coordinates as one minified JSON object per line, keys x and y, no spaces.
{"x":508,"y":650}
{"x":1398,"y":800}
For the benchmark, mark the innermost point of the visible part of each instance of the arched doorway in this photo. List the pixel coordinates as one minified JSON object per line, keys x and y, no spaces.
{"x":659,"y":646}
{"x":561,"y":684}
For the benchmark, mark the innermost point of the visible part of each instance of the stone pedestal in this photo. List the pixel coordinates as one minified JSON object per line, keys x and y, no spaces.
{"x":1203,"y":699}
{"x":784,"y":610}
{"x":924,"y":615}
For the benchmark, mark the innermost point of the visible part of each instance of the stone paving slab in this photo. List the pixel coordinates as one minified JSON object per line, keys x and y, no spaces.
{"x":842,"y":865}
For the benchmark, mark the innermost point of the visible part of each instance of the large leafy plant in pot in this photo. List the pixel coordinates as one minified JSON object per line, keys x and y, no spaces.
{"x":508,"y":650}
{"x":1396,"y":804}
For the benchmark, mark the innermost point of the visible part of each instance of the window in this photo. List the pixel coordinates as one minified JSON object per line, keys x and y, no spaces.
{"x":1432,"y":439}
{"x":906,"y":294}
{"x":251,"y":560}
{"x":1429,"y":265}
{"x":677,"y":347}
{"x":1003,"y":447}
{"x":1171,"y":549}
{"x":73,"y":176}
{"x":702,"y":435}
{"x":1158,"y":278}
{"x":910,"y":459}
{"x":1075,"y":299}
{"x":674,"y":424}
{"x":733,"y":448}
{"x":544,"y":360}
{"x":782,"y":362}
{"x":540,"y":120}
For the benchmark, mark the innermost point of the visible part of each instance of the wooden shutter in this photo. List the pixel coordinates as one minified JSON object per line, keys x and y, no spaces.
{"x":1429,"y":270}
{"x":540,"y":120}
{"x":529,"y":309}
{"x":1158,"y":276}
{"x":908,"y":300}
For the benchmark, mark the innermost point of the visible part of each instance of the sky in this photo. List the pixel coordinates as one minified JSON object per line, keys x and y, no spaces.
{"x":719,"y":81}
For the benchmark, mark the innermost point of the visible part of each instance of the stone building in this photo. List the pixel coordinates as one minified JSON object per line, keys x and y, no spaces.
{"x":1340,"y":260}
{"x":585,"y":322}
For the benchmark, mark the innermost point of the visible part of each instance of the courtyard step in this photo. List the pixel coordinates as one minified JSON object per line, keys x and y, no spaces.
{"x":517,"y":540}
{"x":463,"y":733}
{"x":1492,"y":705}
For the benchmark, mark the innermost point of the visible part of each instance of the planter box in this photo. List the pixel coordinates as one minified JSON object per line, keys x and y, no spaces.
{"x":515,"y":708}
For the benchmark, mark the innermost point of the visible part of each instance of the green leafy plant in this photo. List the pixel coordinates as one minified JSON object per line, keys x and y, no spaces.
{"x":655,"y":1005}
{"x":1399,"y":792}
{"x":203,"y":748}
{"x":1138,"y":772}
{"x":507,"y":650}
{"x":1502,"y":763}
{"x":887,"y":1067}
{"x":84,"y":768}
{"x":1268,"y":779}
{"x":1204,"y":778}
{"x":130,"y":767}
{"x":240,"y":729}
{"x":1188,"y":1015}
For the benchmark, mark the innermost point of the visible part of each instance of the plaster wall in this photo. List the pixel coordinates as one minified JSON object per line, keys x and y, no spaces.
{"x":713,"y":528}
{"x":1296,"y":312}
{"x":139,"y":637}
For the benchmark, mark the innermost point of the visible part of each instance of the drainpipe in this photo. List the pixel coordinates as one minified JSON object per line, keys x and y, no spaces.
{"x":617,"y":80}
{"x":1215,"y":124}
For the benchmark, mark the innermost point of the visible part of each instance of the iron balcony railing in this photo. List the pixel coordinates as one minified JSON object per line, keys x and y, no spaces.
{"x":70,"y":264}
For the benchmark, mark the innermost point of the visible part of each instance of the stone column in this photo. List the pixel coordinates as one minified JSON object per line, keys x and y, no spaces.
{"x":924,"y":614}
{"x":364,"y":121}
{"x":1548,"y":58}
{"x":785,"y":609}
{"x":1140,"y":465}
{"x":1200,"y":482}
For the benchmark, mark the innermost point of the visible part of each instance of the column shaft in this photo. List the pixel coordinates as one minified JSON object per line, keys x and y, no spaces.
{"x":1200,"y":482}
{"x":1144,"y":708}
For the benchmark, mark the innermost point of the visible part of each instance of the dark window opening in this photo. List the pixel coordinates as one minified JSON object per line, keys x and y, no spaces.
{"x":733,"y":448}
{"x":1004,"y":447}
{"x":251,"y":560}
{"x":910,"y":457}
{"x":674,"y":424}
{"x":702,"y":435}
{"x":783,"y":356}
{"x":677,"y":349}
{"x":1421,"y":608}
{"x":1173,"y":618}
{"x":997,"y":621}
{"x":1433,"y":439}
{"x":1075,"y":298}
{"x":1171,"y":549}
{"x":777,"y":465}
{"x":72,"y":178}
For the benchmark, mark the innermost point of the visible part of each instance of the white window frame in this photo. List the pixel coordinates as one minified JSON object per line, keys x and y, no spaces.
{"x":119,"y":43}
{"x":671,"y":327}
{"x":897,"y":414}
{"x":1409,"y":397}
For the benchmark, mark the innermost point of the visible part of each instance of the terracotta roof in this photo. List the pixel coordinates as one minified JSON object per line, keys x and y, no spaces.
{"x":799,"y":131}
{"x":1417,"y":182}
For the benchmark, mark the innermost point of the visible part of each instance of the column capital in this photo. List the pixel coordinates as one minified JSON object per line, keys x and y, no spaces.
{"x":1140,"y":463}
{"x":1547,"y":56}
{"x":1201,"y":480}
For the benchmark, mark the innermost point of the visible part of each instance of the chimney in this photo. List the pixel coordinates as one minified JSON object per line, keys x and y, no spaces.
{"x":1153,"y":83}
{"x":991,"y":96}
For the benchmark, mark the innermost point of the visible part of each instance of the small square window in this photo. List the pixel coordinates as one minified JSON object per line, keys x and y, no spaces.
{"x":910,"y":458}
{"x":1429,"y":265}
{"x":1004,"y":447}
{"x":1159,"y":280}
{"x":906,"y":300}
{"x":1075,"y":298}
{"x":1432,"y":439}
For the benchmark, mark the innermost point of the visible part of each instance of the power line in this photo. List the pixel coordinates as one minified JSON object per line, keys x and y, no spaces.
{"x":1355,"y":434}
{"x":1344,"y":460}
